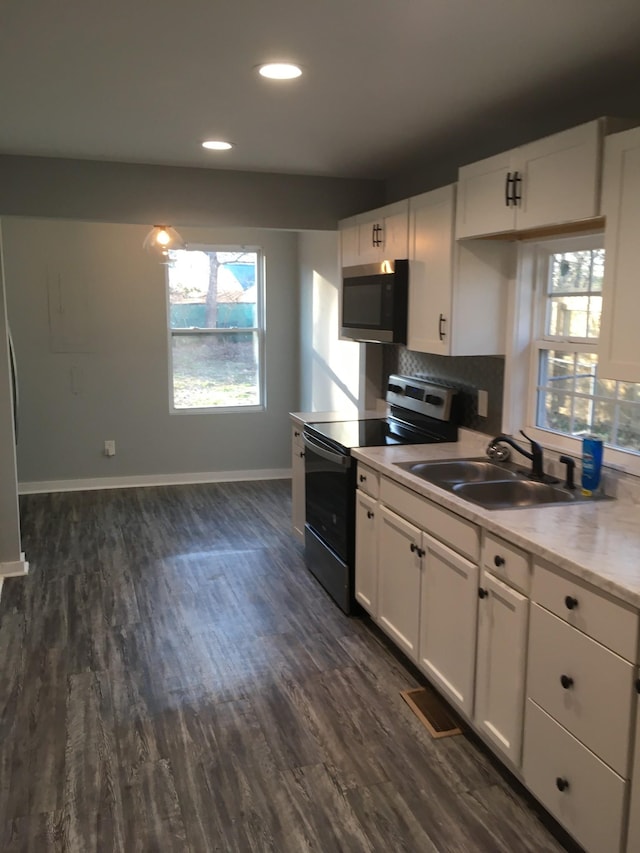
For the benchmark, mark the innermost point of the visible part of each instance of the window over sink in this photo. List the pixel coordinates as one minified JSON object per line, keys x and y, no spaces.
{"x":555,"y":353}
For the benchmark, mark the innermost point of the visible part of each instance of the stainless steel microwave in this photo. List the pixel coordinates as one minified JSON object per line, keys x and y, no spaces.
{"x":374,"y":302}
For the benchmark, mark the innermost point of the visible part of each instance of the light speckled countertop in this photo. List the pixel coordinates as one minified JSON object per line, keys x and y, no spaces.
{"x":598,"y":542}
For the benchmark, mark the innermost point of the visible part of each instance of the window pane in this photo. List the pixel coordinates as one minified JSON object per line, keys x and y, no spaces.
{"x":213,"y":290}
{"x":586,"y":366}
{"x":628,"y":391}
{"x":603,"y":420}
{"x":219,"y":369}
{"x":628,"y":434}
{"x":606,"y":387}
{"x":557,"y":369}
{"x":577,"y":271}
{"x":554,"y":411}
{"x":574,"y":316}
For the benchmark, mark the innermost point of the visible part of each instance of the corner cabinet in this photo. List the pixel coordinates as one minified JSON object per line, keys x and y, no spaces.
{"x":619,"y":347}
{"x":374,"y":236}
{"x":548,"y":182}
{"x":452,"y":285}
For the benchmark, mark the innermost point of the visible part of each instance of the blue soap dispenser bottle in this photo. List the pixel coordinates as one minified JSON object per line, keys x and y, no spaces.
{"x":591,"y":463}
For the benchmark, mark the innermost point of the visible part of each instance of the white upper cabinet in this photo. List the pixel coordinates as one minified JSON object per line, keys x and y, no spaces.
{"x":619,"y":348}
{"x":375,"y":236}
{"x":457,"y":291}
{"x":551,"y":181}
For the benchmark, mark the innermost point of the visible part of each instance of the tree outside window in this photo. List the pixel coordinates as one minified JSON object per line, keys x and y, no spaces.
{"x":216,"y":328}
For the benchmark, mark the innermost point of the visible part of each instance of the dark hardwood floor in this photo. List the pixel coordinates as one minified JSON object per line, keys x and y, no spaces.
{"x":173,"y":679}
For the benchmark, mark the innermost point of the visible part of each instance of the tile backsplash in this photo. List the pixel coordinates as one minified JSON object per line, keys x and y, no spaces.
{"x":467,"y":373}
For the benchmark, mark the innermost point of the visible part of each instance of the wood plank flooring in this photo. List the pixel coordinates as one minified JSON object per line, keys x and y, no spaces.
{"x":173,"y":679}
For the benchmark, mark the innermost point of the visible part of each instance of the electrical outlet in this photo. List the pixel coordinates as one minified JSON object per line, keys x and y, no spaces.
{"x":483,"y":404}
{"x":109,"y":448}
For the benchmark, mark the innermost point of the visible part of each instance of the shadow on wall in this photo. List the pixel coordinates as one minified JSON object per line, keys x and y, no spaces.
{"x":466,"y":373}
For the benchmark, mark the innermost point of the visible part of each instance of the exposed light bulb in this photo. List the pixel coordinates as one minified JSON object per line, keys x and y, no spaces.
{"x":161,"y":239}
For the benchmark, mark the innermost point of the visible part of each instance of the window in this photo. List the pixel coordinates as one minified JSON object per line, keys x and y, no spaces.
{"x":216,"y":328}
{"x":569,"y":398}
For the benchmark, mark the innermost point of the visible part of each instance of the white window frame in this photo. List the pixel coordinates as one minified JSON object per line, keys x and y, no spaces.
{"x":526,"y":300}
{"x":259,"y":330}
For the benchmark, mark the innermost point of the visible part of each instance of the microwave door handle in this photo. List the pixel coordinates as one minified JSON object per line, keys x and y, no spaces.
{"x":329,"y":455}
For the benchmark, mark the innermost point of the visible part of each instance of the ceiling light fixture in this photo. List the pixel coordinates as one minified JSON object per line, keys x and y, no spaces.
{"x":280,"y":70}
{"x":161,"y":240}
{"x":217,"y":145}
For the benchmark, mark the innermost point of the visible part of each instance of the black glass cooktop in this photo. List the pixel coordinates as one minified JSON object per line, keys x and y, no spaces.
{"x":343,"y":435}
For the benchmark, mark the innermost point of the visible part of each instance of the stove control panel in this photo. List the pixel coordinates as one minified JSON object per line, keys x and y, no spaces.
{"x":419,"y":395}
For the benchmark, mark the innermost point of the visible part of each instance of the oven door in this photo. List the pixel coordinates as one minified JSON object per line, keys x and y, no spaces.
{"x":330,"y":496}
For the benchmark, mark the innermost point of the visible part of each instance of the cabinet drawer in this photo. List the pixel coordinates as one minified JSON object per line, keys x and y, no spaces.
{"x":368,"y":480}
{"x":591,"y":804}
{"x":461,"y":535}
{"x":507,"y":562}
{"x":585,"y":687}
{"x":609,"y":622}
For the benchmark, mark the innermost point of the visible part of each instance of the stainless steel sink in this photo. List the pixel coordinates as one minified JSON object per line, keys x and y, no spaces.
{"x":459,"y":471}
{"x":500,"y":485}
{"x":504,"y":494}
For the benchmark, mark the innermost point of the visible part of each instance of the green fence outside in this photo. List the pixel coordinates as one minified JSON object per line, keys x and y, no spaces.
{"x":231,"y":315}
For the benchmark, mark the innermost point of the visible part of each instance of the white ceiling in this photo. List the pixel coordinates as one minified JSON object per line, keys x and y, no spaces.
{"x":142,"y":81}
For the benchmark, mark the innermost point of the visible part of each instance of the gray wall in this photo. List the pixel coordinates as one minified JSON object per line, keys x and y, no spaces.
{"x":9,"y":519}
{"x":118,"y":389}
{"x":579,"y":97}
{"x":122,"y":192}
{"x":330,"y":369}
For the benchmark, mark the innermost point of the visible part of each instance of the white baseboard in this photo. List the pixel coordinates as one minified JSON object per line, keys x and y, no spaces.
{"x":33,"y":488}
{"x":14,"y":568}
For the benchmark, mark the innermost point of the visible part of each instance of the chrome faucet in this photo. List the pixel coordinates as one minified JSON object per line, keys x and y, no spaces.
{"x":494,"y":451}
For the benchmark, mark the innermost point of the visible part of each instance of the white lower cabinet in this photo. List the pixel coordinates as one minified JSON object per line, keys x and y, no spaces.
{"x":297,"y":483}
{"x":585,"y":795}
{"x":366,"y":569}
{"x":584,"y":686}
{"x":633,"y":837}
{"x":399,"y":576}
{"x":448,"y":613}
{"x":503,"y":615}
{"x":550,"y":683}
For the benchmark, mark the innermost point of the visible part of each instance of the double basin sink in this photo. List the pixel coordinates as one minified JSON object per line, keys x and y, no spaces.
{"x":494,"y":485}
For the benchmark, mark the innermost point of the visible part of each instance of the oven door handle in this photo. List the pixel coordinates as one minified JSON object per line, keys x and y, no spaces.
{"x":338,"y":458}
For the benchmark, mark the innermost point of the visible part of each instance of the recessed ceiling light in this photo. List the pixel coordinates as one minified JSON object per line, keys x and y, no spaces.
{"x":280,"y":70}
{"x":217,"y":145}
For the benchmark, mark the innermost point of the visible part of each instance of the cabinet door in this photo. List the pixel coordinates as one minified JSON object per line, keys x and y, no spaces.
{"x":349,"y":247}
{"x":482,"y":203}
{"x":448,"y":616}
{"x":500,"y":676}
{"x":383,"y":233}
{"x":366,"y":583}
{"x":297,"y":483}
{"x":431,"y":255}
{"x":399,"y":576}
{"x":560,"y":177}
{"x":633,"y":838}
{"x":619,"y":348}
